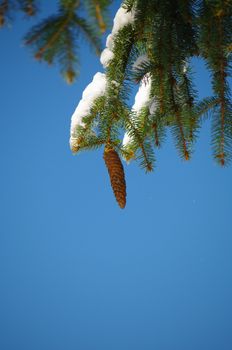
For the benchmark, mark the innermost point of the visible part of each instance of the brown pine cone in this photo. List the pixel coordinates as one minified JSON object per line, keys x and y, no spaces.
{"x":116,"y":173}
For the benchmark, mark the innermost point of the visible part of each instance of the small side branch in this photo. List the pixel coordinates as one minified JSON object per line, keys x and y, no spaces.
{"x":99,"y":17}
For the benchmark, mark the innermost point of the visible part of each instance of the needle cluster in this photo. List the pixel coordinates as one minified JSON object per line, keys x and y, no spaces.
{"x":152,"y":44}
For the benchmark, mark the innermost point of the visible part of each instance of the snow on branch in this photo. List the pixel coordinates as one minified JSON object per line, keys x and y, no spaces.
{"x":94,"y":90}
{"x":140,"y":61}
{"x":141,"y":100}
{"x":121,"y":19}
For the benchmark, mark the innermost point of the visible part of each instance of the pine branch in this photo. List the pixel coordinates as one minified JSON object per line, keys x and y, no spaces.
{"x":4,"y":11}
{"x":55,"y":38}
{"x":156,"y":135}
{"x":147,"y":160}
{"x":99,"y":17}
{"x":204,"y":109}
{"x":8,"y":7}
{"x":29,"y":7}
{"x":220,"y":17}
{"x":221,"y":154}
{"x":88,"y":33}
{"x":154,"y":41}
{"x":97,"y":10}
{"x":178,"y":128}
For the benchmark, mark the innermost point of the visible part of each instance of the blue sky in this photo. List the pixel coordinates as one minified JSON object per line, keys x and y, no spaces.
{"x":76,"y":271}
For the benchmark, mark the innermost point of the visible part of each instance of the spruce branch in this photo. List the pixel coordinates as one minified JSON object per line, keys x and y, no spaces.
{"x":219,"y":16}
{"x":156,"y":135}
{"x":55,"y":38}
{"x":4,"y":11}
{"x":99,"y":17}
{"x":8,"y":7}
{"x":153,"y":42}
{"x":97,"y":10}
{"x":178,"y":127}
{"x":29,"y":7}
{"x":87,"y":30}
{"x":204,"y":109}
{"x":146,"y":156}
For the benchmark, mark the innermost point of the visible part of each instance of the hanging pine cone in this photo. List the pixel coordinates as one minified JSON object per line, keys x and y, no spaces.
{"x":116,"y":173}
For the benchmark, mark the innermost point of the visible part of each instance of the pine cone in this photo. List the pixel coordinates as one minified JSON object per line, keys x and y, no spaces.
{"x":116,"y":173}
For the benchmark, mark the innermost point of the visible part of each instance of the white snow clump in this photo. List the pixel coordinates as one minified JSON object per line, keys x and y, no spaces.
{"x":121,"y":19}
{"x":141,"y":100}
{"x":142,"y":96}
{"x":140,"y":60}
{"x":94,"y":90}
{"x":153,"y":106}
{"x":106,"y":56}
{"x":185,"y":67}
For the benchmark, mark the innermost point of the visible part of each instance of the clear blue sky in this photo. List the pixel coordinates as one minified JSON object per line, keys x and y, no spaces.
{"x":77,"y":272}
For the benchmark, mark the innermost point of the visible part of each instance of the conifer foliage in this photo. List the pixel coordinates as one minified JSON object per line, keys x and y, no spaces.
{"x":55,"y":39}
{"x":152,"y":44}
{"x":8,"y":7}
